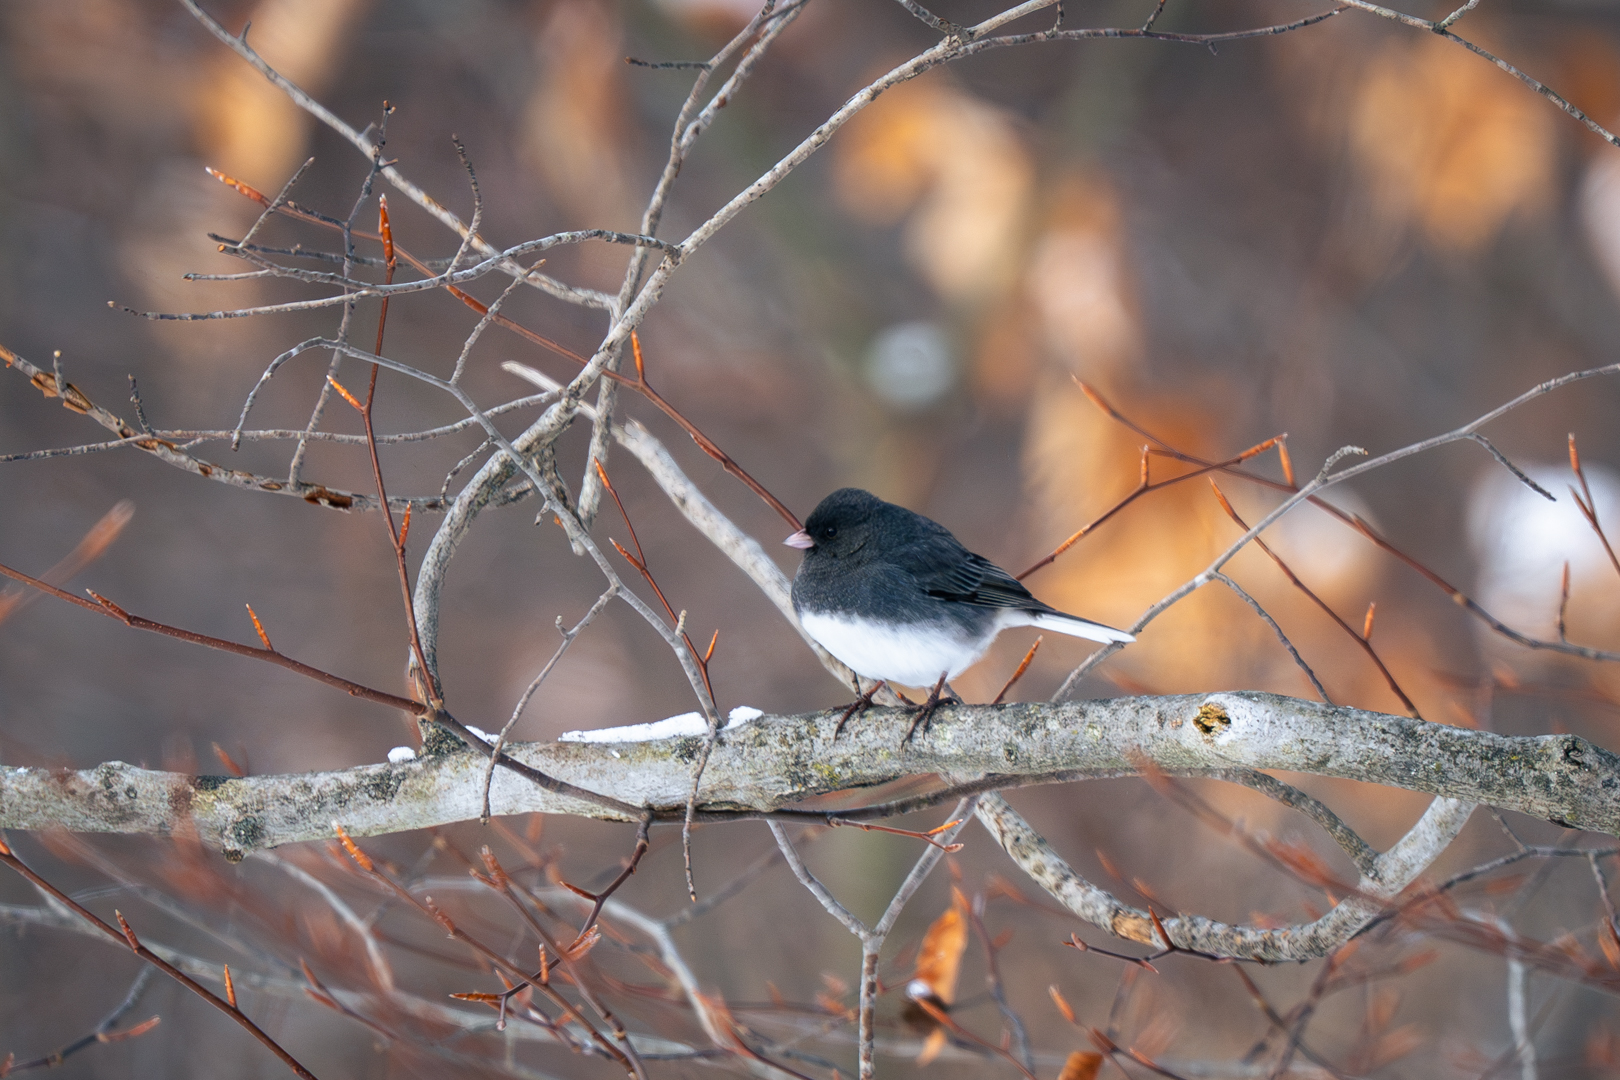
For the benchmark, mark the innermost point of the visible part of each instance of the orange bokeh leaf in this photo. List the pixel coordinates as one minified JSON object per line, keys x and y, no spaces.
{"x":1082,"y":1065}
{"x":1062,"y":1003}
{"x":939,"y":958}
{"x":932,"y":1046}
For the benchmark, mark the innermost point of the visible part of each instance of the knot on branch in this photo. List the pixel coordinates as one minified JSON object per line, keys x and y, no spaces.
{"x":1211,"y":718}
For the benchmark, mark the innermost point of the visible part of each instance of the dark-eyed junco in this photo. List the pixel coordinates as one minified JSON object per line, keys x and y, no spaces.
{"x":898,"y":599}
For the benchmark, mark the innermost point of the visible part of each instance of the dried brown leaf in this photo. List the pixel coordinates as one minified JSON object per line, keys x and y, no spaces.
{"x":939,"y":958}
{"x":1082,"y":1065}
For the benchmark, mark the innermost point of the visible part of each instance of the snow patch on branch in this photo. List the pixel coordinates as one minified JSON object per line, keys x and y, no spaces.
{"x":689,"y":723}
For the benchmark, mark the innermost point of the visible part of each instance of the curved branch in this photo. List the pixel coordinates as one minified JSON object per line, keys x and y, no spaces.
{"x":1391,"y":872}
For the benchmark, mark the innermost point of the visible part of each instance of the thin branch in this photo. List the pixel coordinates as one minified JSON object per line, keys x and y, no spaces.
{"x":103,"y":606}
{"x":929,"y":19}
{"x":568,"y":636}
{"x":567,"y":954}
{"x":814,"y":885}
{"x":1265,"y":617}
{"x":1588,"y":507}
{"x":1023,"y":666}
{"x":1441,"y":28}
{"x":1324,"y":480}
{"x":1145,"y":484}
{"x":426,"y":908}
{"x":75,"y":400}
{"x":1349,"y":841}
{"x":1361,"y":640}
{"x":998,"y":993}
{"x":371,"y":149}
{"x":101,"y":1033}
{"x":127,"y":936}
{"x":1518,"y":473}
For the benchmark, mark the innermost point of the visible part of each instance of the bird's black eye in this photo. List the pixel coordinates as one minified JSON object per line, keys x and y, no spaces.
{"x":829,"y":532}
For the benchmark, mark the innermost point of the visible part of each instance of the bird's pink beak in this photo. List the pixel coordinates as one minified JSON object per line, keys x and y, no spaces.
{"x":800,"y":540}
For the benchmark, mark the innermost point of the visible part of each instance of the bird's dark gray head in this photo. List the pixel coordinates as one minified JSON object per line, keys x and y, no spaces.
{"x":842,"y":523}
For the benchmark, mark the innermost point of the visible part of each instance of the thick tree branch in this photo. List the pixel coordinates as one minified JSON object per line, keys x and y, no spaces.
{"x":767,"y":765}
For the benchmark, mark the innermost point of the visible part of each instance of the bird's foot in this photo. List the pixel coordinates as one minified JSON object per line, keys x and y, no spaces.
{"x":857,"y":707}
{"x":925,"y":711}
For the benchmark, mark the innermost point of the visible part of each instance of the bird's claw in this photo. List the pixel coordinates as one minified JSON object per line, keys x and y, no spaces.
{"x":925,"y":711}
{"x":856,"y":708}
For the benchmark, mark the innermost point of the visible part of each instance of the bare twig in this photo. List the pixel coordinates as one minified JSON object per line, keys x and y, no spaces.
{"x":1362,"y":639}
{"x":127,"y":935}
{"x":568,"y":636}
{"x":1265,"y":616}
{"x":101,"y":1033}
{"x":873,"y":937}
{"x":1588,"y":507}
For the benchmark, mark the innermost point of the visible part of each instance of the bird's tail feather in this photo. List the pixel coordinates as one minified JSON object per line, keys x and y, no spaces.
{"x":1077,"y":627}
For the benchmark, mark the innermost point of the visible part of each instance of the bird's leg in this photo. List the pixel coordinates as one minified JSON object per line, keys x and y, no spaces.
{"x":925,"y":712}
{"x":858,"y":706}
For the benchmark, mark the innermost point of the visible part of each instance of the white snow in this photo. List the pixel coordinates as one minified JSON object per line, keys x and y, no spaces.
{"x":401,"y":754}
{"x":690,"y":723}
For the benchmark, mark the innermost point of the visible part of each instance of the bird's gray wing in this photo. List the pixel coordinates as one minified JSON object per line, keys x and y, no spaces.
{"x":949,"y":571}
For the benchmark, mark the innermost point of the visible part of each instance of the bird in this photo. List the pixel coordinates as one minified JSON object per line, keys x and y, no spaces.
{"x":898,"y":599}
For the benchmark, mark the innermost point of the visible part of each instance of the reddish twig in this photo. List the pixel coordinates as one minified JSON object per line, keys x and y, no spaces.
{"x":639,"y":561}
{"x":1077,"y":942}
{"x":396,"y":537}
{"x":427,"y":908}
{"x":1144,"y":485}
{"x":599,"y":900}
{"x":126,"y":935}
{"x":319,"y":994}
{"x":102,"y":606}
{"x":497,"y":879}
{"x":1354,"y":521}
{"x":101,"y":1033}
{"x":1361,"y":640}
{"x":707,"y":445}
{"x":1589,"y":505}
{"x":1023,"y":666}
{"x":1463,"y":600}
{"x":925,"y":837}
{"x":638,"y":384}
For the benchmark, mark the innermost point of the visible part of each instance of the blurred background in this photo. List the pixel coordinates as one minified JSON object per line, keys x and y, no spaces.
{"x":1352,"y":234}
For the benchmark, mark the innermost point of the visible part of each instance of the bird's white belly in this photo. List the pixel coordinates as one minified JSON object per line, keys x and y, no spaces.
{"x":908,"y":655}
